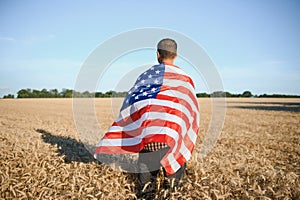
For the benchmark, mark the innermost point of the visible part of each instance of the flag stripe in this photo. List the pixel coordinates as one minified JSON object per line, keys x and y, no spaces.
{"x":177,"y":70}
{"x":136,"y":116}
{"x":176,"y":83}
{"x":134,"y":148}
{"x":183,"y":102}
{"x":158,"y":130}
{"x":180,"y":98}
{"x":171,"y":75}
{"x":181,"y":89}
{"x":192,"y":133}
{"x":166,"y":104}
{"x":138,"y":131}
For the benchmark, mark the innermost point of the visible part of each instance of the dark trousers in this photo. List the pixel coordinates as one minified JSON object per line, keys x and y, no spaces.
{"x":149,"y":166}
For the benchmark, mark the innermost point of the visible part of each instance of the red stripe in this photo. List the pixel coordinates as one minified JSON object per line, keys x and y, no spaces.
{"x":145,"y":124}
{"x":183,"y":90}
{"x":180,"y":158}
{"x":168,"y":169}
{"x":151,"y":108}
{"x":194,"y":124}
{"x":188,"y":142}
{"x":176,"y":76}
{"x":182,"y":102}
{"x":118,"y":149}
{"x":138,"y":147}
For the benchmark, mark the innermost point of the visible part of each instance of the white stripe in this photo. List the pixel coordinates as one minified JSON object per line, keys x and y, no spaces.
{"x":184,"y":151}
{"x":141,"y":104}
{"x":136,"y":140}
{"x":174,"y":93}
{"x":192,"y":135}
{"x":120,"y":142}
{"x":191,"y":132}
{"x":158,"y":115}
{"x":173,"y":162}
{"x":177,"y":83}
{"x":173,"y":69}
{"x":150,"y":116}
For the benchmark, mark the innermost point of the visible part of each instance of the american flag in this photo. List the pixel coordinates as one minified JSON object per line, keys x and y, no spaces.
{"x":160,"y":107}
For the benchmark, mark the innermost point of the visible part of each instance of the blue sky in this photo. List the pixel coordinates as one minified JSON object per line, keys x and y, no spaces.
{"x":255,"y":45}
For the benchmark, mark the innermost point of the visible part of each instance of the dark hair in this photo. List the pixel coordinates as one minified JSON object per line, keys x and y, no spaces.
{"x":167,"y":48}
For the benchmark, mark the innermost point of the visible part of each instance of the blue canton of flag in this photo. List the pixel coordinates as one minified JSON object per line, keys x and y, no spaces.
{"x":147,"y":86}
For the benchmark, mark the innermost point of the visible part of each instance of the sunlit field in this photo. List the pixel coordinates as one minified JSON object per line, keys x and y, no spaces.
{"x":257,"y":155}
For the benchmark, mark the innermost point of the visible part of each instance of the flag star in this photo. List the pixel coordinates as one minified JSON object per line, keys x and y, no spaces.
{"x":150,"y":95}
{"x":148,"y":85}
{"x":145,"y":73}
{"x":150,"y":76}
{"x":127,"y":101}
{"x":143,"y":81}
{"x":145,"y":93}
{"x":156,"y":81}
{"x":139,"y":78}
{"x":153,"y":89}
{"x":129,"y":92}
{"x":141,"y":90}
{"x":133,"y":95}
{"x":136,"y":87}
{"x":157,"y":71}
{"x":137,"y":97}
{"x":152,"y":68}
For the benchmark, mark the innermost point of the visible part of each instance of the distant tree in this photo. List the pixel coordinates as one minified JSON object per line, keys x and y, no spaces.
{"x":35,"y":94}
{"x":66,"y":93}
{"x":218,"y":94}
{"x":247,"y":94}
{"x":87,"y":94}
{"x":9,"y":96}
{"x":202,"y":95}
{"x":99,"y":94}
{"x":44,"y":93}
{"x":230,"y":95}
{"x":110,"y":93}
{"x":120,"y":94}
{"x":278,"y":96}
{"x":54,"y":93}
{"x":24,"y":93}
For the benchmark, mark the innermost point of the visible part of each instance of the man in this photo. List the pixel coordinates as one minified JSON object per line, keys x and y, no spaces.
{"x":160,"y":120}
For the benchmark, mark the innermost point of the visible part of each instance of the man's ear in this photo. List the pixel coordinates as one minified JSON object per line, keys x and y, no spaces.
{"x":176,"y":55}
{"x":158,"y":55}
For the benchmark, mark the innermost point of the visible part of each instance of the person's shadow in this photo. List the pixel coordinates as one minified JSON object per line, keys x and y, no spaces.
{"x":72,"y":149}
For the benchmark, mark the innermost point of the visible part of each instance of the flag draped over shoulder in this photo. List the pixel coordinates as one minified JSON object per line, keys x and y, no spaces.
{"x":160,"y":107}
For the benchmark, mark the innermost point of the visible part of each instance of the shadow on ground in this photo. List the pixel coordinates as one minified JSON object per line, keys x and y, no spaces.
{"x":69,"y":147}
{"x":293,"y":104}
{"x":287,"y":107}
{"x":76,"y":151}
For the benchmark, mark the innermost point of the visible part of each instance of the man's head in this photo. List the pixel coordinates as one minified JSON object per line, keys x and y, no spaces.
{"x":166,"y":50}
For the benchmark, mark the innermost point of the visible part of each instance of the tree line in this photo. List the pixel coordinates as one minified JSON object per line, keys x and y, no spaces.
{"x":65,"y":93}
{"x":246,"y":94}
{"x":69,"y":93}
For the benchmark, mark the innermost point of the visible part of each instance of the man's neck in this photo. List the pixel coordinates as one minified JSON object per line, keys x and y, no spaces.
{"x":168,"y":61}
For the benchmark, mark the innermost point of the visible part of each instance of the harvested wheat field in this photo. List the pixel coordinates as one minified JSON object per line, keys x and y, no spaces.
{"x":257,"y":155}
